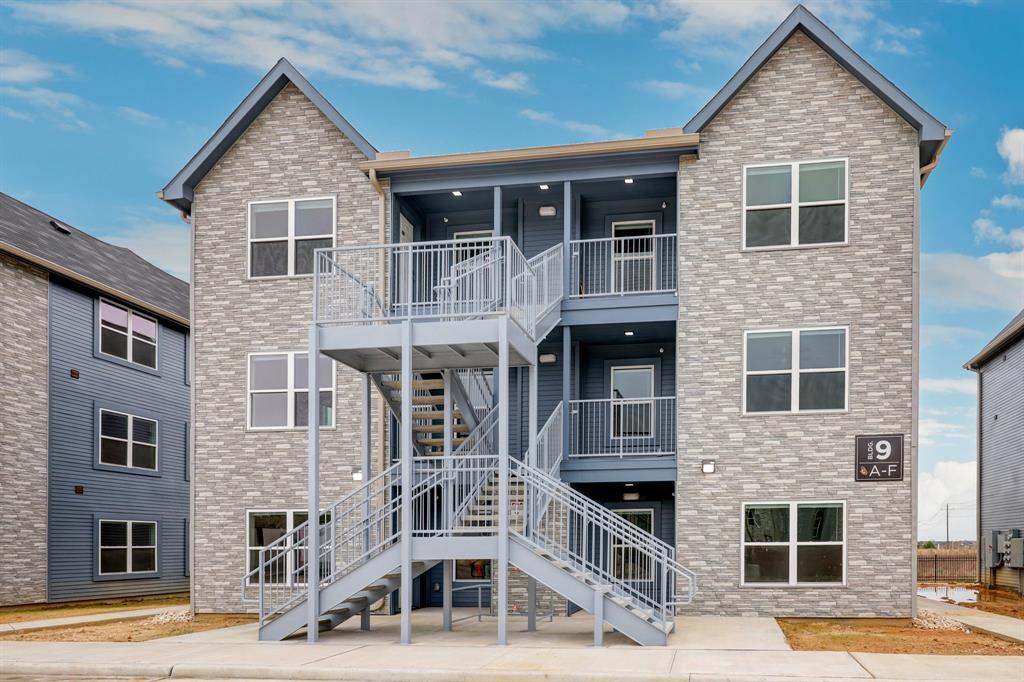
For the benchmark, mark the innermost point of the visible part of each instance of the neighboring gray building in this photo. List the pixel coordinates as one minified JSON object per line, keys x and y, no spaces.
{"x":1000,"y":368}
{"x":94,"y":416}
{"x":608,"y":368}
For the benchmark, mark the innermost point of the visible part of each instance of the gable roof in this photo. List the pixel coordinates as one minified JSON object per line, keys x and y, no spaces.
{"x":932,"y":134}
{"x":1010,"y":334}
{"x":53,"y":245}
{"x":178,"y":191}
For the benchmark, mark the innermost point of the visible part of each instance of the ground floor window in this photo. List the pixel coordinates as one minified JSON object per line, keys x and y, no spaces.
{"x":127,"y":547}
{"x":628,"y":561}
{"x":472,"y":569}
{"x":285,"y":562}
{"x":794,"y":543}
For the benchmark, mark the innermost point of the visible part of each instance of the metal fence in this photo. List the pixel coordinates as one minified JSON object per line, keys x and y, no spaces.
{"x":935,"y":567}
{"x":623,"y":265}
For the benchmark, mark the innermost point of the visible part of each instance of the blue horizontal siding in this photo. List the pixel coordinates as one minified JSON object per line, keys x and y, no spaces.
{"x":111,"y":494}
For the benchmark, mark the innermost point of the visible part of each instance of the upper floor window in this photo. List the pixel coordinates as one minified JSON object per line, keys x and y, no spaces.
{"x":127,"y":547}
{"x":127,"y":440}
{"x":795,"y":204}
{"x":632,"y":408}
{"x":798,"y":370}
{"x":127,"y":334}
{"x":284,"y":234}
{"x":794,"y":543}
{"x":279,"y":391}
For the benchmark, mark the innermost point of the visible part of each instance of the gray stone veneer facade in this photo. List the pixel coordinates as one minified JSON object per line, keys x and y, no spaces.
{"x":290,"y":151}
{"x":800,"y":106}
{"x":24,"y":410}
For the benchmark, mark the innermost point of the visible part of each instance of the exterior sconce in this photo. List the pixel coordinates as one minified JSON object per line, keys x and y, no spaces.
{"x":357,"y":475}
{"x":630,"y":497}
{"x":548,"y":212}
{"x":707,"y":466}
{"x":548,"y":358}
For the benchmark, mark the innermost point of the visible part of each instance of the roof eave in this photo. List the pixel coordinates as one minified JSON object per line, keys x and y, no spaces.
{"x":1012,"y":333}
{"x":179,"y":191}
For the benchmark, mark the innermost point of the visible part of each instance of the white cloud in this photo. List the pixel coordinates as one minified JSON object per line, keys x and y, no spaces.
{"x":979,"y":173}
{"x":166,"y":245}
{"x":516,"y":81}
{"x":929,"y":430}
{"x":952,"y":483}
{"x":1008,"y":201}
{"x":17,"y":66}
{"x":8,"y":112}
{"x":986,"y":230}
{"x":407,"y":43}
{"x":959,"y":282}
{"x":944,"y":335}
{"x":137,"y":116}
{"x":675,"y":89}
{"x":59,"y":105}
{"x":590,"y":129}
{"x":1011,"y":148}
{"x":965,"y":386}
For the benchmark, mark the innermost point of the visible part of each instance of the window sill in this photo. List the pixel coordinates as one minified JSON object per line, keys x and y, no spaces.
{"x":801,"y":413}
{"x":277,"y":278}
{"x":126,"y":363}
{"x":114,"y":468}
{"x":285,"y":429}
{"x":799,"y":586}
{"x":793,"y":247}
{"x":108,"y":577}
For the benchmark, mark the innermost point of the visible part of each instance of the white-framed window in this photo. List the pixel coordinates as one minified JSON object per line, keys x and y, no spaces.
{"x":633,"y":256}
{"x":627,"y":561}
{"x":284,"y":233}
{"x":127,"y":547}
{"x":801,"y":203}
{"x":632,"y":388}
{"x":795,"y":370}
{"x":793,"y":543}
{"x":476,"y":245}
{"x":285,"y":564}
{"x":127,"y":440}
{"x":127,"y":334}
{"x":278,"y":390}
{"x":473,"y":570}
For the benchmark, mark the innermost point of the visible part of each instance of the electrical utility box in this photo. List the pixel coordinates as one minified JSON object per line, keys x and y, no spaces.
{"x":991,"y":555}
{"x":1016,"y":553}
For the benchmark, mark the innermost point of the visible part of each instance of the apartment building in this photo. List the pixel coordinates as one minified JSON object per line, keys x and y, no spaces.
{"x":94,"y":418}
{"x":1000,"y":369}
{"x":642,"y":377}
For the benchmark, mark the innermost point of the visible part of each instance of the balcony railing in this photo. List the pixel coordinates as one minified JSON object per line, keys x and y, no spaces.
{"x":617,"y":266}
{"x":445,"y":280}
{"x":616,"y":427}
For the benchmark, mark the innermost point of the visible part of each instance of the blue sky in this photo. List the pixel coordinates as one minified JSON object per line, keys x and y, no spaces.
{"x":101,"y":103}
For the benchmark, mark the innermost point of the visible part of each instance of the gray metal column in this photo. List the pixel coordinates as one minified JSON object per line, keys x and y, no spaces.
{"x":531,"y":583}
{"x":566,"y":238}
{"x":313,"y":532}
{"x":566,"y":388}
{"x":599,"y":616}
{"x":446,"y":594}
{"x":407,"y":483}
{"x":497,"y":211}
{"x":503,"y":480}
{"x":365,"y":426}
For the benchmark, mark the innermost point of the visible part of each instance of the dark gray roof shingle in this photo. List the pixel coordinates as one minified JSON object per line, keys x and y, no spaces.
{"x":92,"y":261}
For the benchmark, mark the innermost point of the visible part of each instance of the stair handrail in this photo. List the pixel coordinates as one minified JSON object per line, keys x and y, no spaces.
{"x":548,"y":286}
{"x":585,"y":535}
{"x":549,"y":453}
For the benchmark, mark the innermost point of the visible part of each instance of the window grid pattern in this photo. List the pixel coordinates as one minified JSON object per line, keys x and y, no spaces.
{"x":281,"y":240}
{"x":127,"y":334}
{"x":127,"y":547}
{"x":281,"y":401}
{"x":797,"y":368}
{"x":128,"y":440}
{"x":787,"y":230}
{"x":802,"y":528}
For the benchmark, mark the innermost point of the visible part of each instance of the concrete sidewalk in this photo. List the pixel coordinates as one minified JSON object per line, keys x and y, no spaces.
{"x":105,"y":617}
{"x":233,"y":654}
{"x":982,"y":621}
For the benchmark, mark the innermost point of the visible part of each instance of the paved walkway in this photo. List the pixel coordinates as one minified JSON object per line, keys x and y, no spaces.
{"x":982,"y":621}
{"x":104,"y":617}
{"x":558,"y":651}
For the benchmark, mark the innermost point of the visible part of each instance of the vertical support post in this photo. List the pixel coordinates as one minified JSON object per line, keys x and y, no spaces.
{"x":407,"y":484}
{"x":497,"y":212}
{"x":448,"y":501}
{"x":446,"y":595}
{"x":566,"y":388}
{"x":503,"y":480}
{"x":598,"y":617}
{"x":313,"y":529}
{"x":567,"y":262}
{"x":365,"y":426}
{"x":528,"y":510}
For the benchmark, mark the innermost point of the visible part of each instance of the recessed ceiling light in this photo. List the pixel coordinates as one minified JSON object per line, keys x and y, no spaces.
{"x":456,"y":193}
{"x":628,"y":332}
{"x":630,"y":485}
{"x":629,"y":181}
{"x":543,"y":186}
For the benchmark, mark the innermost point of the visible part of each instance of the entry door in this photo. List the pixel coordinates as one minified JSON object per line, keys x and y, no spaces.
{"x":633,"y":256}
{"x":632,"y":406}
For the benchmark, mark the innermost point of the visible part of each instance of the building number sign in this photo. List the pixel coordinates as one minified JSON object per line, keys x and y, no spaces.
{"x":879,"y":458}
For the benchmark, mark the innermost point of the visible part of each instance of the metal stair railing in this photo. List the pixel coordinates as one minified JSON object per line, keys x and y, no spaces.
{"x":635,"y":566}
{"x":549,"y":453}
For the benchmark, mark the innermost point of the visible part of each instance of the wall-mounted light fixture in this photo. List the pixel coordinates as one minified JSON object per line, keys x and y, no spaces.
{"x":664,"y":205}
{"x":446,"y":220}
{"x":707,"y":466}
{"x":548,"y":358}
{"x":629,"y":181}
{"x":357,"y":475}
{"x":547,"y":211}
{"x":630,"y":497}
{"x":629,"y":332}
{"x":456,"y":193}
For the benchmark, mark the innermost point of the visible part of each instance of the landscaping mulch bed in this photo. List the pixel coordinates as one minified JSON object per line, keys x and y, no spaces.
{"x":27,"y":612}
{"x":134,"y":630}
{"x":891,"y":636}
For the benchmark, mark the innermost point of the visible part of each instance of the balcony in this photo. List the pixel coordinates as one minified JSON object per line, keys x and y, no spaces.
{"x":634,"y":263}
{"x":617,"y":427}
